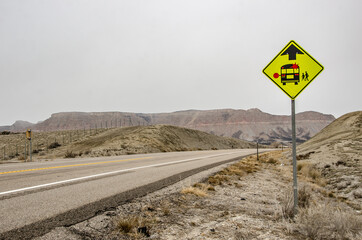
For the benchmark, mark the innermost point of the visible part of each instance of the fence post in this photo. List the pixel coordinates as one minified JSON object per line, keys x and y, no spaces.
{"x":4,"y":152}
{"x":25,"y":151}
{"x":30,"y":151}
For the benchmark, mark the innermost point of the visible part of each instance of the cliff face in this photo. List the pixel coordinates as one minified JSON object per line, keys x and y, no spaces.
{"x":250,"y":125}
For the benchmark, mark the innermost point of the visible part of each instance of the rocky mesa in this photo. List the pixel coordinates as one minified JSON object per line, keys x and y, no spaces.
{"x":250,"y":125}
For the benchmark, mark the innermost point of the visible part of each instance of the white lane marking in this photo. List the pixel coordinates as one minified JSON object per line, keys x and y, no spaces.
{"x":109,"y":173}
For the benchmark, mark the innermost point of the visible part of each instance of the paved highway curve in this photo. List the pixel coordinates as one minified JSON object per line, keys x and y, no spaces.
{"x":39,"y":196}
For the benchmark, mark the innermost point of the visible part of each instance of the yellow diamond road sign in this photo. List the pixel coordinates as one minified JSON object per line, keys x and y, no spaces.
{"x":293,"y":69}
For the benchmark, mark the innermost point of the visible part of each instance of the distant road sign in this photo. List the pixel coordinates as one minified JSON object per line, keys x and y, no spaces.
{"x":29,"y":134}
{"x":293,"y":69}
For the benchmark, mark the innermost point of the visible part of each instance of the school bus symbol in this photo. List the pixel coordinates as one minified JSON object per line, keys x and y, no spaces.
{"x":290,"y":74}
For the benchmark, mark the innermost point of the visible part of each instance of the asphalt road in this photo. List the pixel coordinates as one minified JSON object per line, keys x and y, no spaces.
{"x":38,"y":196}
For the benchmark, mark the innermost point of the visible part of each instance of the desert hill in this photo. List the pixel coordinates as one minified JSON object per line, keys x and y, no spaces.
{"x":337,"y":152}
{"x":17,"y":126}
{"x":250,"y":125}
{"x":117,"y":141}
{"x":344,"y":132}
{"x":159,"y":138}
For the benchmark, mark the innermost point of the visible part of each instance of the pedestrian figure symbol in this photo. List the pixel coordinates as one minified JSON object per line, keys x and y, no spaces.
{"x":306,"y":76}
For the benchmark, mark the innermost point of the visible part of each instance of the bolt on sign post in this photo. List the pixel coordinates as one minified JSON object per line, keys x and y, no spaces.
{"x":292,"y":70}
{"x":29,"y":134}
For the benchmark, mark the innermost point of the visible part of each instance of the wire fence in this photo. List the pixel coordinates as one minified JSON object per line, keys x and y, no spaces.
{"x":17,"y":146}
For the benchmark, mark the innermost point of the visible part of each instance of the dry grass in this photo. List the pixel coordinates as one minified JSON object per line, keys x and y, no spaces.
{"x":287,"y":203}
{"x":127,"y":224}
{"x":134,"y":227}
{"x":326,"y":222}
{"x":270,"y":157}
{"x":194,"y":191}
{"x":310,"y":172}
{"x":239,"y":169}
{"x":217,"y":179}
{"x":70,"y":154}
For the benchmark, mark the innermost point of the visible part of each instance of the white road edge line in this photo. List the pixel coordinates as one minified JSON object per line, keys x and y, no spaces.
{"x":109,"y":173}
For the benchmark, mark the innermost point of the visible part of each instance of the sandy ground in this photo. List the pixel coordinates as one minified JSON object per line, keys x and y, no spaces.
{"x":245,"y":201}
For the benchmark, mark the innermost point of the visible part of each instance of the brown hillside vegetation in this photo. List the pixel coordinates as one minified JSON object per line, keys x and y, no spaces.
{"x":346,"y":128}
{"x":151,"y":139}
{"x":337,"y":152}
{"x":115,"y":141}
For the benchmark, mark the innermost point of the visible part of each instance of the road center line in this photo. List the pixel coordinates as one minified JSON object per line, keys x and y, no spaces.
{"x":74,"y":165}
{"x":109,"y":173}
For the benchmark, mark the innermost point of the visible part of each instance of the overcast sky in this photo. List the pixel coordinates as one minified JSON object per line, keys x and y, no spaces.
{"x":155,"y":56}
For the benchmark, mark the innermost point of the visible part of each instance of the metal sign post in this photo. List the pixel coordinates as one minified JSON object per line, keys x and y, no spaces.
{"x":295,"y":184}
{"x":29,"y":134}
{"x":292,"y":70}
{"x":30,"y":151}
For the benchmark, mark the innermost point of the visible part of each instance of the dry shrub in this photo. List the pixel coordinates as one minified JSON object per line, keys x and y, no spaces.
{"x":287,"y":203}
{"x":70,"y":154}
{"x":134,"y":226}
{"x":304,"y":196}
{"x":127,"y":224}
{"x":310,"y":171}
{"x":195,"y":191}
{"x":325,"y":222}
{"x":218,"y":179}
{"x":272,"y":161}
{"x":165,"y":208}
{"x":304,"y":156}
{"x":239,"y":235}
{"x":241,"y":168}
{"x":54,"y":145}
{"x":267,"y":158}
{"x":233,"y":170}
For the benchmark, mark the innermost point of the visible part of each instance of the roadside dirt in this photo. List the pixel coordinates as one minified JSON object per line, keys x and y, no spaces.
{"x":246,"y":200}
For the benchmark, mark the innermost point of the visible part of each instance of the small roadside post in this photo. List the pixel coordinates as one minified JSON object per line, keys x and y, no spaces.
{"x":29,"y":134}
{"x":292,"y":70}
{"x":25,"y":157}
